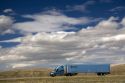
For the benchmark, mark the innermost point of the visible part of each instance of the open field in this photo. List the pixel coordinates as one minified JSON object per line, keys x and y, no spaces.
{"x":41,"y":76}
{"x":63,"y":79}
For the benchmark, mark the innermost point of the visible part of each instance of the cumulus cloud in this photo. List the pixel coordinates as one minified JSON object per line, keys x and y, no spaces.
{"x":108,"y":24}
{"x":114,"y":38}
{"x":49,"y":22}
{"x":5,"y":23}
{"x":103,"y":43}
{"x":123,"y":22}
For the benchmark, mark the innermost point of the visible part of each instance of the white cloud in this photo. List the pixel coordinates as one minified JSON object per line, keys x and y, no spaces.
{"x":11,"y":57}
{"x":19,"y":65}
{"x":80,"y":7}
{"x":123,"y":22}
{"x":49,"y":22}
{"x":5,"y":23}
{"x":114,"y":38}
{"x":116,"y":9}
{"x":103,"y":43}
{"x":108,"y":24}
{"x":8,"y":11}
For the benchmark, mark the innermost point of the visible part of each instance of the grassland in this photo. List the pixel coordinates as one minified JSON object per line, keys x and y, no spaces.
{"x":41,"y":76}
{"x":39,"y":72}
{"x":75,"y":79}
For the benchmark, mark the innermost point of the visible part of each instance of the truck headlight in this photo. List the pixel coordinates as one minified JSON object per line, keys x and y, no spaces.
{"x":52,"y":74}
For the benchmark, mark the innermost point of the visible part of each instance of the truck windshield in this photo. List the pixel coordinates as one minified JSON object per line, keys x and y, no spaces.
{"x":58,"y":68}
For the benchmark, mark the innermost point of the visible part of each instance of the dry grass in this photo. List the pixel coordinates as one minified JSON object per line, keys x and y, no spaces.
{"x":74,"y":79}
{"x":118,"y":70}
{"x":25,"y":73}
{"x":41,"y":76}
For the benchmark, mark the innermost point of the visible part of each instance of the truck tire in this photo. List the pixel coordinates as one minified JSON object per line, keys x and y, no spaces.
{"x":100,"y":74}
{"x":53,"y":75}
{"x":68,"y":74}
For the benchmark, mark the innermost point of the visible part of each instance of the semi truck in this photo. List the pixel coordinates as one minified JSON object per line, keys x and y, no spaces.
{"x":74,"y":69}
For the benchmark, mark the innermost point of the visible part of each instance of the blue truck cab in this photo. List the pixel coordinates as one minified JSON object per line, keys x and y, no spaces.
{"x":74,"y":69}
{"x":59,"y":70}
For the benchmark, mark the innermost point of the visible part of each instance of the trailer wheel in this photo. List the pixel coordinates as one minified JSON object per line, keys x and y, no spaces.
{"x":100,"y":74}
{"x":103,"y":74}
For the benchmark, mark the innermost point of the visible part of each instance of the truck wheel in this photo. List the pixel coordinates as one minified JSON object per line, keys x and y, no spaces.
{"x":100,"y":74}
{"x":53,"y":75}
{"x":69,"y":74}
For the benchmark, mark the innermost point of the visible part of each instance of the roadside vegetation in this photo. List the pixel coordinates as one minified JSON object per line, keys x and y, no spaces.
{"x":42,"y":76}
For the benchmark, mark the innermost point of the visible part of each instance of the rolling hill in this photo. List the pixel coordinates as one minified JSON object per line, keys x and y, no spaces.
{"x":44,"y":72}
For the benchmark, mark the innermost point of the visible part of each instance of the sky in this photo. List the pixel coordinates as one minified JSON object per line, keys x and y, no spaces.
{"x":55,"y":32}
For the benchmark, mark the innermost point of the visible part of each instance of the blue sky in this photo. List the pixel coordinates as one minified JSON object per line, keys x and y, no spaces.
{"x":69,"y":27}
{"x":95,"y":9}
